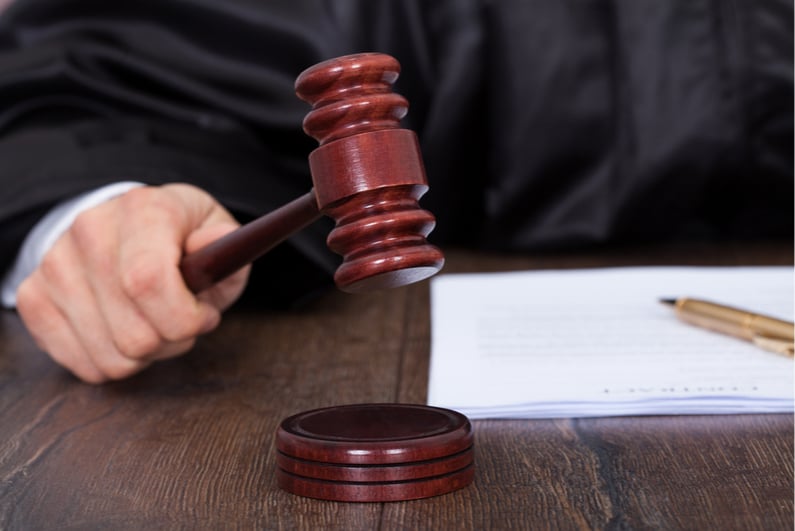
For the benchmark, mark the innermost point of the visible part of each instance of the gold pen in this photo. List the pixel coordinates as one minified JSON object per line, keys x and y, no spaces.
{"x":766,"y":332}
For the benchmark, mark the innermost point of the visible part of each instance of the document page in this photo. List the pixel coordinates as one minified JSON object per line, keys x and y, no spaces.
{"x":597,"y":342}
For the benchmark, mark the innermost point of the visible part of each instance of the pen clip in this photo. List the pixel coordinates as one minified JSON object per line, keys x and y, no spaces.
{"x":774,"y":344}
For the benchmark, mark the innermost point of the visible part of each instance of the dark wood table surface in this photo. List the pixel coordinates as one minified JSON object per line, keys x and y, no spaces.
{"x":188,"y":444}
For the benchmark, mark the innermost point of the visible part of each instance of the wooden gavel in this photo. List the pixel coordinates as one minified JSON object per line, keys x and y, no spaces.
{"x":368,"y":176}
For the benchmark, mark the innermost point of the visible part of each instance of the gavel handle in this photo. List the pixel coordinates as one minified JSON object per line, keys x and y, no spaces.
{"x":229,"y":253}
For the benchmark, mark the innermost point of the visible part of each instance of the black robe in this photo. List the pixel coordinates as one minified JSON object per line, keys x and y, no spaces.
{"x":543,"y":124}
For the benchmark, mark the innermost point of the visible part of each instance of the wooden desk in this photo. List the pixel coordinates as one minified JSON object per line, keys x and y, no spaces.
{"x":188,"y":444}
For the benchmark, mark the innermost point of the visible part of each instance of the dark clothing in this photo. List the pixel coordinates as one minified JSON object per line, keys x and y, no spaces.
{"x":543,"y":123}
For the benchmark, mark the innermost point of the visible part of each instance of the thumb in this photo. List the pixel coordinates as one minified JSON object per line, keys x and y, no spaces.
{"x":228,"y":290}
{"x":208,"y":233}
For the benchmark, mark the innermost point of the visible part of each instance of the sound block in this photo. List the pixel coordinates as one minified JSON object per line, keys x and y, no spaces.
{"x":375,"y":452}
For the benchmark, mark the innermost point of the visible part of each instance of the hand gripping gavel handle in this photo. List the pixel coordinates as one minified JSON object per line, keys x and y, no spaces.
{"x":230,"y":253}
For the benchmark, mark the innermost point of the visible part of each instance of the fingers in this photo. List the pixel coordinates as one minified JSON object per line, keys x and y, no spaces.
{"x":135,"y":334}
{"x":76,"y":336}
{"x":84,"y":250}
{"x":108,"y":299}
{"x":53,"y":333}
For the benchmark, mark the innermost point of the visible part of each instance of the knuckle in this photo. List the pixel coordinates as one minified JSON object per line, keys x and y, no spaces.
{"x":118,"y":372}
{"x":30,"y":298}
{"x":172,"y":350}
{"x":86,"y":234}
{"x":182,"y":328}
{"x":37,"y":313}
{"x":90,"y":376}
{"x":117,"y":369}
{"x":51,"y":267}
{"x":148,"y":201}
{"x":138,"y":344}
{"x":84,"y":225}
{"x":137,"y":197}
{"x":141,"y":278}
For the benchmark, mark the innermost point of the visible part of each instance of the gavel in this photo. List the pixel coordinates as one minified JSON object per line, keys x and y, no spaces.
{"x":367,"y":175}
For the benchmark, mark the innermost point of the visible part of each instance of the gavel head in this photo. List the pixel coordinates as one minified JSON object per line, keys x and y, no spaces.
{"x":367,"y":172}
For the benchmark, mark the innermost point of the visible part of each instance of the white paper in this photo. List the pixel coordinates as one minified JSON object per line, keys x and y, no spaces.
{"x":597,"y":342}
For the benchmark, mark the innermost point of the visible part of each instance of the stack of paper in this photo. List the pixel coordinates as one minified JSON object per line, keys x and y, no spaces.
{"x":578,"y":343}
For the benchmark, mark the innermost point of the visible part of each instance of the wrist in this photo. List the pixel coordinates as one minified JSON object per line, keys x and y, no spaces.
{"x":45,"y":233}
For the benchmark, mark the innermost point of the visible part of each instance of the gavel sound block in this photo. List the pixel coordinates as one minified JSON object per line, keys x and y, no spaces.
{"x":375,"y":452}
{"x":368,"y":176}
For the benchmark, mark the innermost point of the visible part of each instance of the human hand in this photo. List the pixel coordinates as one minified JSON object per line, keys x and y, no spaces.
{"x":108,"y":299}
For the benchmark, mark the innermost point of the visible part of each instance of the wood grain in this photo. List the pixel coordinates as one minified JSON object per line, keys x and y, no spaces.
{"x":189,"y":443}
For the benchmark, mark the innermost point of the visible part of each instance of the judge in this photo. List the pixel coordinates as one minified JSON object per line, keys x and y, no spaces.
{"x":133,"y":132}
